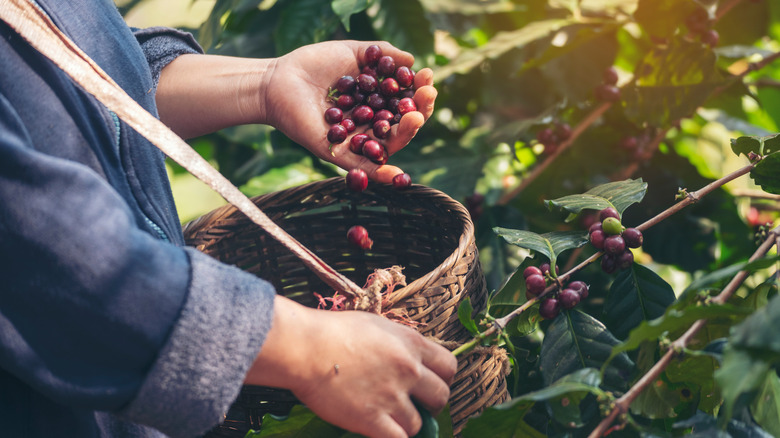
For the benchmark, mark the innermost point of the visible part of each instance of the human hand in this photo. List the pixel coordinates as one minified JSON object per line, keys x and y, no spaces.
{"x":295,"y":98}
{"x":356,"y":370}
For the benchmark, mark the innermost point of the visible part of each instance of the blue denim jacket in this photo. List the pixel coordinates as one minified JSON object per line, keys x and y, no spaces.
{"x":108,"y":325}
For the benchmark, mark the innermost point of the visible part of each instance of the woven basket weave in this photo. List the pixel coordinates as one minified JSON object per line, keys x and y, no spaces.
{"x":421,"y":229}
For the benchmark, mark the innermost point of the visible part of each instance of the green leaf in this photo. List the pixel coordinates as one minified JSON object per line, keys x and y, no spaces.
{"x":430,"y":427}
{"x":301,"y":422}
{"x":304,"y":22}
{"x":346,"y":8}
{"x":499,"y":45}
{"x":576,"y":340}
{"x":465,"y":310}
{"x":404,"y":24}
{"x":739,"y":377}
{"x":766,"y":406}
{"x":662,"y":17}
{"x":675,"y":320}
{"x":758,"y":145}
{"x":618,"y":194}
{"x":637,"y":294}
{"x":712,"y":279}
{"x":705,"y":426}
{"x":506,"y":419}
{"x":550,"y":244}
{"x":767,"y":173}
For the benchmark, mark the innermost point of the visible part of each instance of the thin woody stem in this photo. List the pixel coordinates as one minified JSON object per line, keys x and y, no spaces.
{"x":622,"y":404}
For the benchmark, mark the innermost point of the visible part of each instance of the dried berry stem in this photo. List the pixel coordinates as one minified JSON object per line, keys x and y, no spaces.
{"x":538,"y":169}
{"x":622,"y":404}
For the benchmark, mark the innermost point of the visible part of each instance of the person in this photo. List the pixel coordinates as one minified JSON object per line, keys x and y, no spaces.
{"x":109,"y":325}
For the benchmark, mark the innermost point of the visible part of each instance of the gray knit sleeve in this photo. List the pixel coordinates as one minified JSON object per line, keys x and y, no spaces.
{"x":161,"y":45}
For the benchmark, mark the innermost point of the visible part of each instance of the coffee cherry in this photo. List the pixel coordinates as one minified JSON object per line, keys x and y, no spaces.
{"x":345,"y":85}
{"x":580,"y":287}
{"x":625,"y":259}
{"x":611,"y":226}
{"x":595,"y":227}
{"x":392,"y":104}
{"x":346,"y":102}
{"x":532,"y":270}
{"x":349,"y":124}
{"x":404,"y":76}
{"x":337,"y":134}
{"x":381,"y":129}
{"x":360,"y":97}
{"x":597,"y":239}
{"x":367,"y":83}
{"x":608,"y":263}
{"x":610,"y":75}
{"x":356,"y":143}
{"x":358,"y":236}
{"x":373,"y":53}
{"x":362,"y":114}
{"x":710,"y":38}
{"x":545,"y":267}
{"x":562,"y":131}
{"x":608,"y":212}
{"x":406,"y":105}
{"x":385,"y":67}
{"x":333,"y":115}
{"x":535,"y":284}
{"x":376,"y":101}
{"x":607,"y":93}
{"x":374,"y":151}
{"x":546,"y":136}
{"x":568,"y":298}
{"x":614,"y":245}
{"x":389,"y":87}
{"x":357,"y":180}
{"x":382,"y":114}
{"x":402,"y":181}
{"x":549,"y":308}
{"x":633,"y":237}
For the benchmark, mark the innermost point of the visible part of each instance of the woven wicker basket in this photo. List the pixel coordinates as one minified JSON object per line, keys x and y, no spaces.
{"x":421,"y":229}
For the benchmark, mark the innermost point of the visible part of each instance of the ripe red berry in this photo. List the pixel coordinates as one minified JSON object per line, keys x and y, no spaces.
{"x":382,"y":114}
{"x":362,"y":114}
{"x":333,"y":115}
{"x":372,"y":55}
{"x":358,"y":236}
{"x":406,"y":105}
{"x":608,"y":263}
{"x":562,"y":131}
{"x":367,"y":83}
{"x":608,"y":212}
{"x":374,"y":151}
{"x":360,"y":97}
{"x":346,"y":102}
{"x":531,"y":270}
{"x":392,"y":104}
{"x":370,"y":70}
{"x":550,"y":308}
{"x":625,"y":259}
{"x":607,"y":93}
{"x":389,"y":87}
{"x":710,"y":38}
{"x":381,"y":129}
{"x":349,"y":124}
{"x":346,"y":84}
{"x":376,"y":101}
{"x":546,"y":136}
{"x":597,"y":239}
{"x":356,"y":143}
{"x":385,"y":67}
{"x":357,"y":180}
{"x":595,"y":227}
{"x":568,"y":298}
{"x":614,"y":245}
{"x":580,"y":287}
{"x":545,"y":267}
{"x":337,"y":134}
{"x":633,"y":237}
{"x":402,"y":181}
{"x":404,"y":76}
{"x":610,"y":75}
{"x":535,"y":284}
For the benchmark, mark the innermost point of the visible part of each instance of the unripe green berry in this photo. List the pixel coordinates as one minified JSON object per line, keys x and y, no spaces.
{"x":612,"y":226}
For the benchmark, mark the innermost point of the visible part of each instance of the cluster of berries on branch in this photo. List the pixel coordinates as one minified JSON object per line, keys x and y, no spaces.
{"x":607,"y":90}
{"x":609,"y":235}
{"x":551,"y":136}
{"x":536,"y":279}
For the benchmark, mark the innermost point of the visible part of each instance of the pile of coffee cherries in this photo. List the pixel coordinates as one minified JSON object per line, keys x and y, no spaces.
{"x":610,"y":236}
{"x":567,"y":297}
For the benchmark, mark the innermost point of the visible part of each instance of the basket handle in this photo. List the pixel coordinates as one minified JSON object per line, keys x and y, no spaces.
{"x":32,"y":24}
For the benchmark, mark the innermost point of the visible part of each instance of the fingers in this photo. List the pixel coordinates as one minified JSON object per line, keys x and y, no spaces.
{"x":407,"y":416}
{"x":403,"y":132}
{"x":399,"y":56}
{"x":388,"y":427}
{"x":440,"y":360}
{"x":431,"y":391}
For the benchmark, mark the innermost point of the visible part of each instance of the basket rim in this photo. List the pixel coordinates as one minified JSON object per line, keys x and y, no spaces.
{"x":465,"y":240}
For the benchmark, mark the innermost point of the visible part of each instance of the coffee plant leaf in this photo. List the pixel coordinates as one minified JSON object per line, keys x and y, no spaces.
{"x":550,"y":244}
{"x":344,"y":9}
{"x":739,"y":378}
{"x":637,"y":294}
{"x":673,"y":320}
{"x":300,"y":422}
{"x":706,"y":426}
{"x":767,"y":173}
{"x":506,"y":419}
{"x":501,"y":44}
{"x":575,"y":340}
{"x":662,"y":17}
{"x":766,"y":407}
{"x":406,"y":25}
{"x":465,"y":312}
{"x":617,"y":194}
{"x":304,"y":22}
{"x":713,"y":280}
{"x":761,"y":145}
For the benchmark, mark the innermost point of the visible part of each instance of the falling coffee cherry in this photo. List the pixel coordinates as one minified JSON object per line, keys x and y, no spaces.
{"x":358,"y":236}
{"x":402,"y":181}
{"x":357,"y":180}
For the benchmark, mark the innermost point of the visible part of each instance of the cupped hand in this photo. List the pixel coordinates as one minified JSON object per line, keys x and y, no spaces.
{"x":296,"y":97}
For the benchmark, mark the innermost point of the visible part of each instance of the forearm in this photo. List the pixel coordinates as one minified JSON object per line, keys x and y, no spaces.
{"x":200,"y":94}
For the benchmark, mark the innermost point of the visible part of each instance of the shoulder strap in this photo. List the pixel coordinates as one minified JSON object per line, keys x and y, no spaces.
{"x":32,"y":24}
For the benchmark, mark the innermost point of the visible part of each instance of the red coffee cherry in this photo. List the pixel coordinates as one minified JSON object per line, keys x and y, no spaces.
{"x":535,"y":284}
{"x":569,"y":298}
{"x":404,"y":76}
{"x":337,"y":134}
{"x":333,"y":115}
{"x":406,"y":105}
{"x":531,"y":270}
{"x":549,"y":308}
{"x":358,"y":236}
{"x":356,"y":143}
{"x":402,"y":181}
{"x":372,"y":55}
{"x":357,"y":180}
